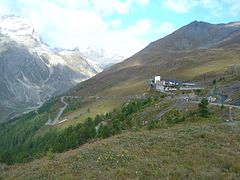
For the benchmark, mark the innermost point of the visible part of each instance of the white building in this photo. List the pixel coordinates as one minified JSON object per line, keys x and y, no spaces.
{"x":188,"y":84}
{"x":156,"y":79}
{"x":160,"y":86}
{"x":211,"y":99}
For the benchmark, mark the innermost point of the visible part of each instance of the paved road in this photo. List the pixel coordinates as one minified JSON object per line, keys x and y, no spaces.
{"x":176,"y":104}
{"x":56,"y":120}
{"x":226,"y":105}
{"x":219,"y":104}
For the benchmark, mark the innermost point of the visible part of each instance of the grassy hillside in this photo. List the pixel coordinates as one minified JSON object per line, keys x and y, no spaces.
{"x":199,"y":52}
{"x":150,"y":135}
{"x":28,"y":137}
{"x":180,"y":142}
{"x":125,"y":80}
{"x":196,"y":50}
{"x":200,"y":148}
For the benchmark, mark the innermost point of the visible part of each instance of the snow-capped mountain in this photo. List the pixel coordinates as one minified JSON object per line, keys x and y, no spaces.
{"x":101,"y":57}
{"x":19,"y":29}
{"x":31,"y":72}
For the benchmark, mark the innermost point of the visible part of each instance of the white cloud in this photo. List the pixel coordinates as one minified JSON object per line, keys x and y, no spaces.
{"x":180,"y":6}
{"x":108,"y":7}
{"x":126,"y":41}
{"x":4,"y":8}
{"x":115,"y":23}
{"x":143,"y":2}
{"x":141,"y":27}
{"x":166,"y":28}
{"x":234,"y":7}
{"x":80,"y":26}
{"x":215,"y":7}
{"x":235,"y":10}
{"x":85,"y":23}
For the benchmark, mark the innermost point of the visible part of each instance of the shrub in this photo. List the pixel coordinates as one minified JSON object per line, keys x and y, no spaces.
{"x":98,"y":119}
{"x":116,"y":126}
{"x":175,"y":117}
{"x":203,"y":108}
{"x":7,"y":158}
{"x":152,"y":124}
{"x":50,"y":154}
{"x":104,"y":131}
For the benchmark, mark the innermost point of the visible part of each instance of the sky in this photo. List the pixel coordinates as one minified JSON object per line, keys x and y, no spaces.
{"x":118,"y":26}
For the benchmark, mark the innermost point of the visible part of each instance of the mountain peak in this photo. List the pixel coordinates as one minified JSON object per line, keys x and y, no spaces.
{"x":198,"y":24}
{"x":197,"y":35}
{"x":15,"y":24}
{"x":76,"y":49}
{"x":17,"y":28}
{"x":100,"y":56}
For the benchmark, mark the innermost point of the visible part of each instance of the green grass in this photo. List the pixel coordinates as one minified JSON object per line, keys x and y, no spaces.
{"x":130,"y":78}
{"x":204,"y":150}
{"x":185,"y":147}
{"x":91,"y":108}
{"x":33,"y":139}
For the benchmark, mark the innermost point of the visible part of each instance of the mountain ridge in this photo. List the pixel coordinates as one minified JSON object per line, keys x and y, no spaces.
{"x":204,"y":32}
{"x":120,"y":100}
{"x":30,"y":71}
{"x":162,"y":57}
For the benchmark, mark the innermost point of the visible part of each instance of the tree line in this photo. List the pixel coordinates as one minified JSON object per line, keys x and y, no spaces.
{"x":19,"y":143}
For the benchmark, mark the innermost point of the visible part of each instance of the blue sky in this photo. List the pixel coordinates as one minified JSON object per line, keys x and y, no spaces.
{"x":117,"y":26}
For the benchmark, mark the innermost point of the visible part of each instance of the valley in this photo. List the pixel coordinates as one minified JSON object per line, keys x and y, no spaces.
{"x":114,"y":124}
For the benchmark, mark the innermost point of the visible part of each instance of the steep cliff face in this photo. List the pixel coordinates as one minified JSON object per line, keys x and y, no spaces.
{"x":30,"y":71}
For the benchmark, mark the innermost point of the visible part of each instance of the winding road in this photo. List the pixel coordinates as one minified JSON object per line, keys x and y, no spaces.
{"x":56,"y":120}
{"x":177,"y":103}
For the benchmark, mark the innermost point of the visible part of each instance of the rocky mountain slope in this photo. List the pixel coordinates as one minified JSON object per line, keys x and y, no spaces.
{"x":195,"y":50}
{"x":30,"y":71}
